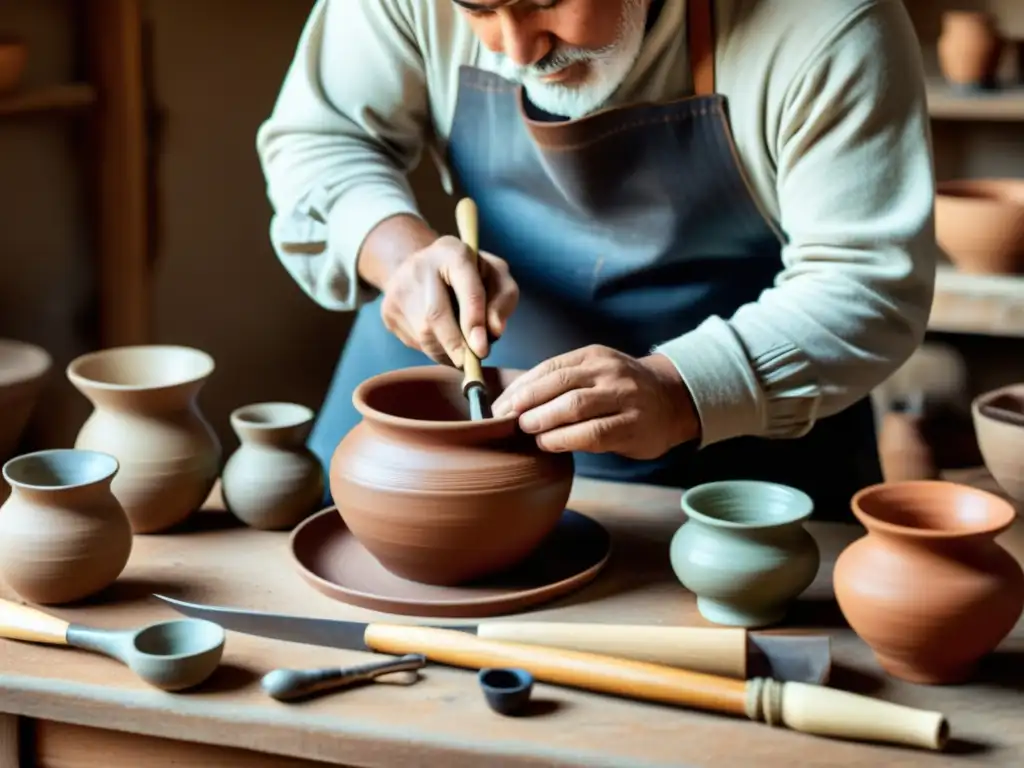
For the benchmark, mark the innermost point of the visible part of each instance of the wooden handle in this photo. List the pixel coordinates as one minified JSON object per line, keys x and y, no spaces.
{"x":575,"y":669}
{"x":287,"y":684}
{"x":825,"y":711}
{"x":717,"y":651}
{"x":19,"y":622}
{"x":467,"y":219}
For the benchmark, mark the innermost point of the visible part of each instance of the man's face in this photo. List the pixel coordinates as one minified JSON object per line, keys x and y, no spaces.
{"x":570,"y":55}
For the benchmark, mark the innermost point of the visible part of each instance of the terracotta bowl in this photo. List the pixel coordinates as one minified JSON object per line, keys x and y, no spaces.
{"x":13,"y":58}
{"x":438,"y":498}
{"x":979,"y":223}
{"x":23,"y":368}
{"x":999,"y":424}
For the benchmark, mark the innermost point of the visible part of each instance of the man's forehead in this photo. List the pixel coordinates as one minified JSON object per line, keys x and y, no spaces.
{"x":485,"y":5}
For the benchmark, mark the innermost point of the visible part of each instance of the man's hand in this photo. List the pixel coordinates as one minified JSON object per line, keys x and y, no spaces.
{"x":417,"y":307}
{"x":599,"y":400}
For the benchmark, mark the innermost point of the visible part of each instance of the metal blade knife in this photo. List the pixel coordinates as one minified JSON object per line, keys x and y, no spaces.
{"x":725,"y":651}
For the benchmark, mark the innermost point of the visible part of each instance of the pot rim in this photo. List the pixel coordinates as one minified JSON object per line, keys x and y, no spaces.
{"x":985,"y":398}
{"x":799,"y":509}
{"x":421,"y":372}
{"x":999,"y":523}
{"x":205,"y":371}
{"x":109,"y":466}
{"x":41,"y":361}
{"x":1004,"y":191}
{"x":295,"y":415}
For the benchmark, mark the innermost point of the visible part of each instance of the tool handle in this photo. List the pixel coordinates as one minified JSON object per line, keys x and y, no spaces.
{"x":825,"y":711}
{"x":717,"y":651}
{"x":19,"y":622}
{"x":287,"y":684}
{"x":575,"y":669}
{"x":467,"y":219}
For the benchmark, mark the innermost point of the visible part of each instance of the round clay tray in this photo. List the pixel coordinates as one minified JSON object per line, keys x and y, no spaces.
{"x":331,"y":560}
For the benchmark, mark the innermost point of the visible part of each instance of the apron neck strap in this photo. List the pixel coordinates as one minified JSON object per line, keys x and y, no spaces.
{"x":700,"y":31}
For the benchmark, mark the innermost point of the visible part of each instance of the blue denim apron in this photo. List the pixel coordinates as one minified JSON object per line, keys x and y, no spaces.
{"x":625,"y":228}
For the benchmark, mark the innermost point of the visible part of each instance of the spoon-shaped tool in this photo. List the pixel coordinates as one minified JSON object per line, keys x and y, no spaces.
{"x":172,"y":655}
{"x":473,"y":386}
{"x":288,"y":684}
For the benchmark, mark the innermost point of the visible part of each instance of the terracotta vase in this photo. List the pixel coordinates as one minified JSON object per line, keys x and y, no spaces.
{"x":272,"y":481}
{"x":928,"y":588}
{"x":146,"y":414}
{"x":744,"y":551}
{"x":63,"y":535}
{"x":999,"y":424}
{"x":23,"y":371}
{"x":969,"y":48}
{"x":438,"y":498}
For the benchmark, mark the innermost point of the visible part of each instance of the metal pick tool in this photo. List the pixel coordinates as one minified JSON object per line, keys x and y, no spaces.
{"x":290,"y":684}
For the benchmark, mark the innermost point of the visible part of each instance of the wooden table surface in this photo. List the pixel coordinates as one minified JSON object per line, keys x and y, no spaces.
{"x":442,"y":720}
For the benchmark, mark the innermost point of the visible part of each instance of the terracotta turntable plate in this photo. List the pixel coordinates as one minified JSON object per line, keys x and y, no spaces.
{"x":331,"y":560}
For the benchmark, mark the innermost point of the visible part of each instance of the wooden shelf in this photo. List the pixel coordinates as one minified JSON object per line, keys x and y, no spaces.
{"x":991,"y":305}
{"x":55,"y":98}
{"x":946,"y":103}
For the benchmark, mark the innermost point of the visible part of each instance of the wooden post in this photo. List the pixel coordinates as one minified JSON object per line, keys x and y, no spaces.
{"x":121,"y":209}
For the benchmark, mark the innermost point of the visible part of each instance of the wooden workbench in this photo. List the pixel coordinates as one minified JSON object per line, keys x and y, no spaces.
{"x":76,"y":710}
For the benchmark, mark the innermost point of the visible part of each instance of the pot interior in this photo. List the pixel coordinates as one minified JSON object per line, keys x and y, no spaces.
{"x":428,"y":394}
{"x":935,"y":507}
{"x":747,"y":504}
{"x":62,"y":468}
{"x":143,"y":367}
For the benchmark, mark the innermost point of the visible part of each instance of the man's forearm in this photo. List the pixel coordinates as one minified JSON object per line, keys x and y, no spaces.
{"x":389,"y":244}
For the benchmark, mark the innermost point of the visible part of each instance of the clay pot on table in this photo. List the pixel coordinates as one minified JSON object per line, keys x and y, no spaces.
{"x":928,"y":588}
{"x":146,"y":414}
{"x":23,"y":370}
{"x":435,"y":497}
{"x":979,"y":223}
{"x":272,"y":481}
{"x":63,"y":535}
{"x":13,"y":58}
{"x":970,"y":48}
{"x":744,"y":551}
{"x":999,"y":425}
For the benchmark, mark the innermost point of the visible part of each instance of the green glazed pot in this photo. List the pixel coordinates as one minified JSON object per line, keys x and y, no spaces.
{"x":744,"y":551}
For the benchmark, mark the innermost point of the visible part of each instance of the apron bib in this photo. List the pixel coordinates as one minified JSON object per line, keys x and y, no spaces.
{"x":624,"y":228}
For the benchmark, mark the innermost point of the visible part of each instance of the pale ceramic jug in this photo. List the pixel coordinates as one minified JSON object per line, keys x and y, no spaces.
{"x":744,"y":551}
{"x":272,"y":481}
{"x":63,"y":535}
{"x":146,"y":414}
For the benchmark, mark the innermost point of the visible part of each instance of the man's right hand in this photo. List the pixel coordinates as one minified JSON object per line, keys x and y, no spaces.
{"x":417,"y":305}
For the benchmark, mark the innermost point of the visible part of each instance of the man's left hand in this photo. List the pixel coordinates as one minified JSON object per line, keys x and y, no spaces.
{"x":599,"y":400}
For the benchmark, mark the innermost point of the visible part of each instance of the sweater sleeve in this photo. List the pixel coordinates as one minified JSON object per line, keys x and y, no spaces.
{"x":348,"y":125}
{"x":851,"y":302}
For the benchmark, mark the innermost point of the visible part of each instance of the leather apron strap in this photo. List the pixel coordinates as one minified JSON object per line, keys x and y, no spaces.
{"x":700,"y":31}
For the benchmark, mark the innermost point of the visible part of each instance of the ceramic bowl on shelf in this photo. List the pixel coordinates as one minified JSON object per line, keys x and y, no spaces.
{"x":999,"y":425}
{"x":23,"y":368}
{"x":13,"y":57}
{"x":979,"y":223}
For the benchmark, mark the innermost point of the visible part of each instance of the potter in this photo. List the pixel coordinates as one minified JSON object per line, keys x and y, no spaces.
{"x":705,"y":227}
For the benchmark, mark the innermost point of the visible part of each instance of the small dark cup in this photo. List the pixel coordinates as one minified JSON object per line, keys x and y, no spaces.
{"x":507,"y":691}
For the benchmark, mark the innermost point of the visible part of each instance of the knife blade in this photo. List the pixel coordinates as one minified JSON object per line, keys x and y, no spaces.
{"x":726,"y":651}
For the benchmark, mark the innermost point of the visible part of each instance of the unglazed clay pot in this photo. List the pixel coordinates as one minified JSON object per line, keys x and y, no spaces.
{"x":438,"y":498}
{"x":744,"y":551}
{"x":146,"y":414}
{"x":272,"y":481}
{"x":969,"y":48}
{"x":63,"y":535}
{"x":979,"y":223}
{"x":999,"y":424}
{"x":23,"y":370}
{"x":928,"y":588}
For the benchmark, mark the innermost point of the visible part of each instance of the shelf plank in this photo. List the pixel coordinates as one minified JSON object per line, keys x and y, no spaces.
{"x":1004,"y":104}
{"x":54,"y":98}
{"x":990,"y":305}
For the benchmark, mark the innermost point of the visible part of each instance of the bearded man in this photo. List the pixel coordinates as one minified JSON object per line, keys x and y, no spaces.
{"x":705,"y":225}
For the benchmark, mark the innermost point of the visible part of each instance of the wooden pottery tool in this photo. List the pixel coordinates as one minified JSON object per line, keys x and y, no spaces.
{"x":171,"y":655}
{"x":803,"y":707}
{"x":291,"y":684}
{"x":473,"y":386}
{"x":727,"y":651}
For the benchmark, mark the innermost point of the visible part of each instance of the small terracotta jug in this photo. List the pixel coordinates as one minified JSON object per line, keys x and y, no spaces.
{"x":63,"y":535}
{"x":970,"y":48}
{"x":928,"y":588}
{"x":146,"y":414}
{"x":272,"y":481}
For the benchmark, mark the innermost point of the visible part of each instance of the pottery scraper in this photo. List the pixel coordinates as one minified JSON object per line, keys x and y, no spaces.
{"x":727,"y":651}
{"x":473,"y":386}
